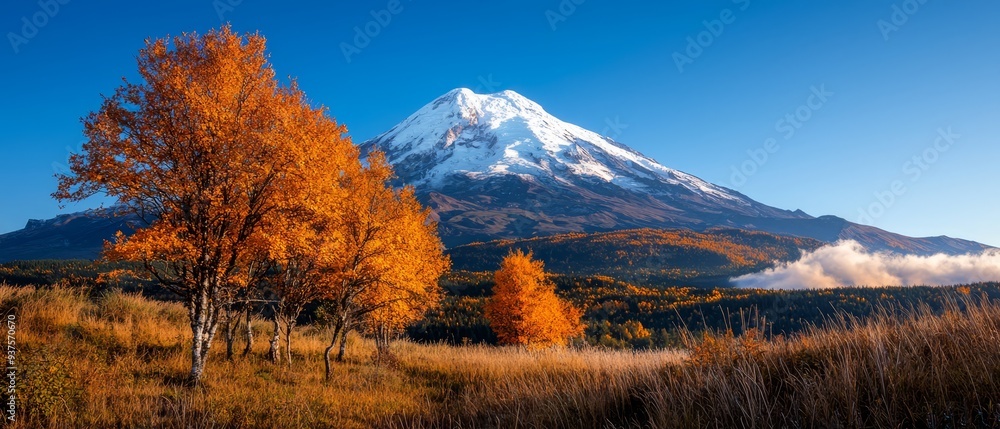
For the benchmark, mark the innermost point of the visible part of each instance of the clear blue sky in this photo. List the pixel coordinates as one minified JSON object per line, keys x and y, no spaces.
{"x":596,"y":63}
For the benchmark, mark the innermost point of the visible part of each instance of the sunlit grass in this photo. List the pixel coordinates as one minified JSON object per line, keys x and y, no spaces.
{"x":120,"y":360}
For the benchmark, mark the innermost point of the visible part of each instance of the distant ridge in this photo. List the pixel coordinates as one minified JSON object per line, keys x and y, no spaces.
{"x":70,"y":236}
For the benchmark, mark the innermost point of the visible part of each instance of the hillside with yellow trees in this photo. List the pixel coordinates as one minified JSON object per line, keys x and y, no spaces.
{"x":648,"y":256}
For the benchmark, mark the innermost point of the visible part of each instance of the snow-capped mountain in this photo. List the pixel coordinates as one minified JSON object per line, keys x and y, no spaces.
{"x":499,"y":166}
{"x":487,"y":136}
{"x":464,"y":135}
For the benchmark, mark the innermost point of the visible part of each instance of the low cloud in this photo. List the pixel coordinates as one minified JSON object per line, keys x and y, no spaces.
{"x":847,"y":263}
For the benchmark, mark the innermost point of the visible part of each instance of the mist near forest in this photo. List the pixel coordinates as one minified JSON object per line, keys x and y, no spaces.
{"x":848,"y":263}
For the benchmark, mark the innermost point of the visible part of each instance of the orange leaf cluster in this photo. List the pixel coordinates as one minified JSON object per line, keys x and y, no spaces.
{"x":525,"y":310}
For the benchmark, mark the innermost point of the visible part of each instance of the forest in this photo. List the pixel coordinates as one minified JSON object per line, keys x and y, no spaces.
{"x":623,"y":315}
{"x":616,"y":314}
{"x":656,"y":257}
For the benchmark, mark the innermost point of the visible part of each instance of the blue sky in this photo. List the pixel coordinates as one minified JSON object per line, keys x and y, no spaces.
{"x":895,"y":75}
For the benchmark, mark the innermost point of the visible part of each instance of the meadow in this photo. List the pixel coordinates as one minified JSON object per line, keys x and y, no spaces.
{"x":114,"y":359}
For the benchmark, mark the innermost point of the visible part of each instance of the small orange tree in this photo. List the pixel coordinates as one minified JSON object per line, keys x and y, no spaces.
{"x":525,"y":310}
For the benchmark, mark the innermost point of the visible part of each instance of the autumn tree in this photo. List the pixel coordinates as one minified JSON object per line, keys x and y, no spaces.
{"x":210,"y":151}
{"x":405,"y":293}
{"x":525,"y":310}
{"x":305,"y":263}
{"x":237,"y":313}
{"x":307,"y":247}
{"x":390,"y":257}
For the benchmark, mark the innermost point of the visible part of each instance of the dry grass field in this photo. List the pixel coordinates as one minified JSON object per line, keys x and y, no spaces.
{"x":120,"y":360}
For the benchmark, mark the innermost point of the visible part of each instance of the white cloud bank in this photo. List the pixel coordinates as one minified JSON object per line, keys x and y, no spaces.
{"x":847,"y":263}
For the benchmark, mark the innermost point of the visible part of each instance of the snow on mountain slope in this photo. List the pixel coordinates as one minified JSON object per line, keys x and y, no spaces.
{"x":495,"y":166}
{"x":483,"y":136}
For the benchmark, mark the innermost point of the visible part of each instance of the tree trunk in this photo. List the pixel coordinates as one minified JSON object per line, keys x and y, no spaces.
{"x":329,"y":350}
{"x":248,"y":332}
{"x":204,"y":321}
{"x":275,"y":350}
{"x":289,"y":326}
{"x":345,"y":328}
{"x":197,"y":363}
{"x":343,"y":345}
{"x":230,"y":332}
{"x":383,"y":337}
{"x":378,"y":346}
{"x":383,"y":343}
{"x":230,"y":338}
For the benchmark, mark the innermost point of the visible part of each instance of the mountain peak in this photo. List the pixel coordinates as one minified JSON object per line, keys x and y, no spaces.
{"x":466,"y":93}
{"x":483,"y":136}
{"x":466,"y":103}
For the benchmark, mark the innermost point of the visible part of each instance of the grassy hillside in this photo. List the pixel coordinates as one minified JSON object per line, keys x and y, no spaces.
{"x":118,"y":360}
{"x":646,"y":256}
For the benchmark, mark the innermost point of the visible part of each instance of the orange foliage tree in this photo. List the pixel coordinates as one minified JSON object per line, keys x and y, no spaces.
{"x":211,"y":152}
{"x":307,"y":252}
{"x":299,"y":248}
{"x":390,"y":258}
{"x":299,"y":279}
{"x":525,"y":310}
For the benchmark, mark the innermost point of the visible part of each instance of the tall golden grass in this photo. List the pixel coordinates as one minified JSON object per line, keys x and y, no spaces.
{"x":120,"y":360}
